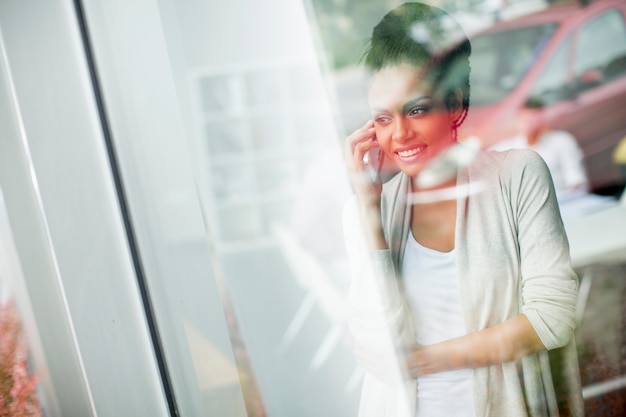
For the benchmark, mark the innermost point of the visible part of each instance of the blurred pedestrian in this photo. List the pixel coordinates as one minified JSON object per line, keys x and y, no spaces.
{"x":558,"y":148}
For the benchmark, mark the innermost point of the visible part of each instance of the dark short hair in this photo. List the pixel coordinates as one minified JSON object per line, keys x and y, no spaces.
{"x":423,"y":36}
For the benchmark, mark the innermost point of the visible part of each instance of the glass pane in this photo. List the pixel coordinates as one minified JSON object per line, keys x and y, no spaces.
{"x":269,"y":132}
{"x":236,"y":186}
{"x":263,"y":89}
{"x":225,"y":137}
{"x":26,"y":386}
{"x":504,"y":76}
{"x":500,"y":59}
{"x":609,"y":31}
{"x":218,"y":94}
{"x":305,"y":85}
{"x":234,"y":180}
{"x":551,"y":86}
{"x":243,"y":143}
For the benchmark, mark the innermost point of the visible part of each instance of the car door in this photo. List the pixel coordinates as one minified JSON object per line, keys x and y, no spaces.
{"x":595,"y":116}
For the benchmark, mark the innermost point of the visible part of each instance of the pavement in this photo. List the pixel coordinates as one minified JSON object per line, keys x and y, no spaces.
{"x":601,"y":340}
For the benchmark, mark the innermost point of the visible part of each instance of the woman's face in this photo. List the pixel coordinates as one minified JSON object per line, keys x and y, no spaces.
{"x":412,"y":124}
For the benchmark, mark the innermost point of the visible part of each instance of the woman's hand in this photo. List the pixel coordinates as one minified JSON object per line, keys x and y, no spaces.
{"x":365,"y":177}
{"x":417,"y":362}
{"x":366,"y":182}
{"x":504,"y":342}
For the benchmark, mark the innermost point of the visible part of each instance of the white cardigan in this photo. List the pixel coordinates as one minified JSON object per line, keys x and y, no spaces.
{"x":512,"y":257}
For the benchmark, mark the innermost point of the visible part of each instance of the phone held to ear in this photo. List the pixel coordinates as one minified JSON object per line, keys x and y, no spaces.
{"x":373,"y":163}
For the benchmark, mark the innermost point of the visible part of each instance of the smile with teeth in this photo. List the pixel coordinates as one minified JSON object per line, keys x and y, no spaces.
{"x":410,"y":152}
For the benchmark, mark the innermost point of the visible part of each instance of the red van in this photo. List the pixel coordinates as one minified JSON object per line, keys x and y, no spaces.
{"x":565,"y":65}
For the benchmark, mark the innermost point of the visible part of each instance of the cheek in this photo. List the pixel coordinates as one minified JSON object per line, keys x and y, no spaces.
{"x":438,"y":128}
{"x":383,"y":136}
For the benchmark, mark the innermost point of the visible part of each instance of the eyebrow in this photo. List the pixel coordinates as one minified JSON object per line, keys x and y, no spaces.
{"x":406,"y":106}
{"x":413,"y":102}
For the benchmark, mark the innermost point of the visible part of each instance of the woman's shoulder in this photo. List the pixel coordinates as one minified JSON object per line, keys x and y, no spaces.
{"x":509,"y":171}
{"x":512,"y":162}
{"x":512,"y":171}
{"x":509,"y":157}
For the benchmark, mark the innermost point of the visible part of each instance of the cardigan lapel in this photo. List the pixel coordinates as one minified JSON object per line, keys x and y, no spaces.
{"x":396,"y":213}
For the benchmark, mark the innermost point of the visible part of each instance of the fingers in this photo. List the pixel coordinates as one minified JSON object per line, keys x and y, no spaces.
{"x":365,"y":179}
{"x":418,"y":362}
{"x":358,"y":144}
{"x":412,"y":364}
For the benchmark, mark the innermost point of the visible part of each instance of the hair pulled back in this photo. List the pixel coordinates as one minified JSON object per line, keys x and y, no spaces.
{"x":427,"y":37}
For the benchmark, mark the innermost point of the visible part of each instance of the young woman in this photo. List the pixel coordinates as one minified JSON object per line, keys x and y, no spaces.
{"x":469,"y":279}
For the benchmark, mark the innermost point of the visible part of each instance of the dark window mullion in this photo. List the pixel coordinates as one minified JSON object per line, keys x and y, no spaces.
{"x":125,"y":212}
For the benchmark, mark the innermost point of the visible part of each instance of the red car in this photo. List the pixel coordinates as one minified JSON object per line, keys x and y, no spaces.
{"x":565,"y":65}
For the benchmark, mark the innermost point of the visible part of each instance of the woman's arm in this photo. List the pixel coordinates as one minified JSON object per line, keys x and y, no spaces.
{"x":367,"y":187}
{"x":378,"y":316}
{"x":548,"y":285}
{"x":502,"y":343}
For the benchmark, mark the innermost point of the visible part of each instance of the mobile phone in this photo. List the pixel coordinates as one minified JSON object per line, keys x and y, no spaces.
{"x":374,"y":162}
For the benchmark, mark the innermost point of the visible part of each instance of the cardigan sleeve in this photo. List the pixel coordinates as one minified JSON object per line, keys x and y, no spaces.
{"x":379,"y":321}
{"x":377,"y":311}
{"x":549,"y":285}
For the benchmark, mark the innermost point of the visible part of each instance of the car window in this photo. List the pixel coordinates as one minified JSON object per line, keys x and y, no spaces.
{"x":601,"y":50}
{"x":500,"y":59}
{"x":552,"y":84}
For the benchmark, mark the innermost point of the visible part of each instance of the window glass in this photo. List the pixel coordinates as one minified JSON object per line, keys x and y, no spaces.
{"x":237,"y":185}
{"x":26,"y":385}
{"x":601,"y":48}
{"x":500,"y":59}
{"x":268,"y":188}
{"x":66,"y":253}
{"x":552,"y":83}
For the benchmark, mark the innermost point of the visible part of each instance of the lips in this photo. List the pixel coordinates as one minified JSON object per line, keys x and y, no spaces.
{"x":410,"y":153}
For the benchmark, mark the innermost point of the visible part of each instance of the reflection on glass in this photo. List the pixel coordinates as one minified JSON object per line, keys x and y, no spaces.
{"x":18,"y":385}
{"x":225,"y":137}
{"x":263,"y":89}
{"x":552,"y":85}
{"x":286,"y":297}
{"x":305,"y":86}
{"x":498,"y":77}
{"x":242,"y":223}
{"x":216,"y":93}
{"x":269,"y":132}
{"x":233,"y":179}
{"x":277,"y":177}
{"x":24,"y":386}
{"x":312,"y":128}
{"x":608,"y":30}
{"x":500,"y":59}
{"x":273,"y":186}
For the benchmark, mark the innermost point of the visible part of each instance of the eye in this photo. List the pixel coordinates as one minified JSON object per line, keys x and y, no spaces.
{"x":418,"y":110}
{"x":382,"y":119}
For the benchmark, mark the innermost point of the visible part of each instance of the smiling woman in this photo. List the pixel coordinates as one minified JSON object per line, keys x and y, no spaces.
{"x":480,"y":308}
{"x":411,"y":122}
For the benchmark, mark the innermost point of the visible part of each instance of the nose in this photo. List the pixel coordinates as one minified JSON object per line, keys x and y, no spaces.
{"x":400,"y":130}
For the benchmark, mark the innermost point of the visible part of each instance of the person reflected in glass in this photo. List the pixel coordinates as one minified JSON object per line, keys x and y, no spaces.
{"x":558,"y":148}
{"x":462,"y":299}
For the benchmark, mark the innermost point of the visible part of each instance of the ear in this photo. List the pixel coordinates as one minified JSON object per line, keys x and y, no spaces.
{"x":454,"y":102}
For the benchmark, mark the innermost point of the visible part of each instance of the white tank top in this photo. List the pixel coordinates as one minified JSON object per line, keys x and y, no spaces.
{"x":432,"y":290}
